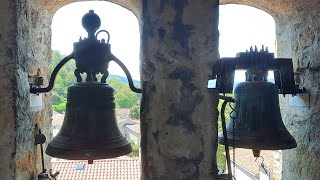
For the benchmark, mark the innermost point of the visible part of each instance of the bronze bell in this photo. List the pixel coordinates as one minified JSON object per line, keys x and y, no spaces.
{"x":257,"y":122}
{"x":90,"y":129}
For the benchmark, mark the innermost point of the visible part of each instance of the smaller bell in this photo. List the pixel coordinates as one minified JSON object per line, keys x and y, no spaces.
{"x":257,"y":124}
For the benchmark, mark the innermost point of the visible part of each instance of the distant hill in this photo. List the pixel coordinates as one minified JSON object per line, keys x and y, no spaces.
{"x":124,"y":79}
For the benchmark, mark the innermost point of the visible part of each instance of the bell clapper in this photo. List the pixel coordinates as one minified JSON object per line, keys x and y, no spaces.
{"x":262,"y":165}
{"x":256,"y":152}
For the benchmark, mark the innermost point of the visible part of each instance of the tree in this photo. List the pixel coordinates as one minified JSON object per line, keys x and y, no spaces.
{"x":135,"y":111}
{"x":135,"y":149}
{"x":64,"y":79}
{"x":124,"y":97}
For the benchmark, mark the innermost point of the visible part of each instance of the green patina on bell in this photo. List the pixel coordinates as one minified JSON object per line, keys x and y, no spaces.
{"x":258,"y":124}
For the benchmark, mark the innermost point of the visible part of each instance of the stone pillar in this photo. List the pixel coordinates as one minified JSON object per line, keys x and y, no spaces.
{"x":25,"y":46}
{"x":8,"y":58}
{"x":298,"y":36}
{"x":178,"y":116}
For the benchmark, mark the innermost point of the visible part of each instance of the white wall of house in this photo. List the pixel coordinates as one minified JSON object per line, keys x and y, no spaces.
{"x":265,"y":174}
{"x":241,"y":173}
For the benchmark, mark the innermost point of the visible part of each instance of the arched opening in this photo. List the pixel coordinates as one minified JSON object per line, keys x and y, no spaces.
{"x":124,"y":32}
{"x":123,"y":28}
{"x":26,"y":36}
{"x":240,"y":28}
{"x":296,"y":38}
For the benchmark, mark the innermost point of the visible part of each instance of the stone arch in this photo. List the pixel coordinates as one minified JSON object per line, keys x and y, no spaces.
{"x":277,"y":9}
{"x":29,"y":44}
{"x":26,"y":35}
{"x":134,"y":6}
{"x":179,"y":62}
{"x":297,"y":34}
{"x":258,"y":31}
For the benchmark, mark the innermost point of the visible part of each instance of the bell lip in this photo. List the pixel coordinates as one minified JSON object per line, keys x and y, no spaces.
{"x":248,"y":144}
{"x":93,"y":154}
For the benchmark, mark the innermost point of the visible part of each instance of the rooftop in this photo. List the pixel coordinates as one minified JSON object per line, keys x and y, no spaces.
{"x":104,"y":169}
{"x":57,"y":118}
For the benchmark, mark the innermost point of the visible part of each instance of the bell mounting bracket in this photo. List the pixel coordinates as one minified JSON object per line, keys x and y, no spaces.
{"x":257,"y":63}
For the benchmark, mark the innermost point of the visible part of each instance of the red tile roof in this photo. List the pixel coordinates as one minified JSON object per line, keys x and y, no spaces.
{"x":105,"y":169}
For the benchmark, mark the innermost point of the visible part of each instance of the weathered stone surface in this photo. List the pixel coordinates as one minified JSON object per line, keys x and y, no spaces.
{"x":22,"y":55}
{"x":179,"y":44}
{"x":302,"y":121}
{"x":8,"y":57}
{"x":306,"y":38}
{"x":179,"y":40}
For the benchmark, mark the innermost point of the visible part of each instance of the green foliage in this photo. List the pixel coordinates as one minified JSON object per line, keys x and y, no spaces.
{"x":226,"y":113}
{"x":221,"y":160}
{"x":56,"y":57}
{"x":60,"y":107}
{"x":63,"y":80}
{"x":135,"y":149}
{"x":135,"y":111}
{"x":124,"y":97}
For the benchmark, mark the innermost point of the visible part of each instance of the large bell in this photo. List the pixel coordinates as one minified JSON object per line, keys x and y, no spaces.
{"x":90,"y":129}
{"x":257,"y":124}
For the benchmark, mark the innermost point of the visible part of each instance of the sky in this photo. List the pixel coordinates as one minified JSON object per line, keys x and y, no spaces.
{"x":240,"y":27}
{"x":119,"y":22}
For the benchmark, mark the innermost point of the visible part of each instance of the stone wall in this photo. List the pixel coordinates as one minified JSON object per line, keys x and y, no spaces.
{"x":34,"y":48}
{"x":25,"y":39}
{"x":298,"y":36}
{"x":178,"y":115}
{"x":179,"y":45}
{"x":8,"y":57}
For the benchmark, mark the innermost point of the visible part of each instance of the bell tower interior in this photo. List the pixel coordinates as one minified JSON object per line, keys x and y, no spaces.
{"x":179,"y":45}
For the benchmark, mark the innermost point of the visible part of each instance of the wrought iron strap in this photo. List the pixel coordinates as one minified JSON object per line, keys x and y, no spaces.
{"x":224,"y":131}
{"x":35,"y":90}
{"x":126,"y":71}
{"x":92,"y":56}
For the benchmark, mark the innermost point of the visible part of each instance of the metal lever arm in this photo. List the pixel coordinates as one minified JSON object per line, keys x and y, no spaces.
{"x":126,"y":71}
{"x":36,"y":90}
{"x":224,"y":131}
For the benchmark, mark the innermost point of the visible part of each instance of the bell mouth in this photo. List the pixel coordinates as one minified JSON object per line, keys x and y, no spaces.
{"x":259,"y":142}
{"x":82,"y":149}
{"x":89,"y":130}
